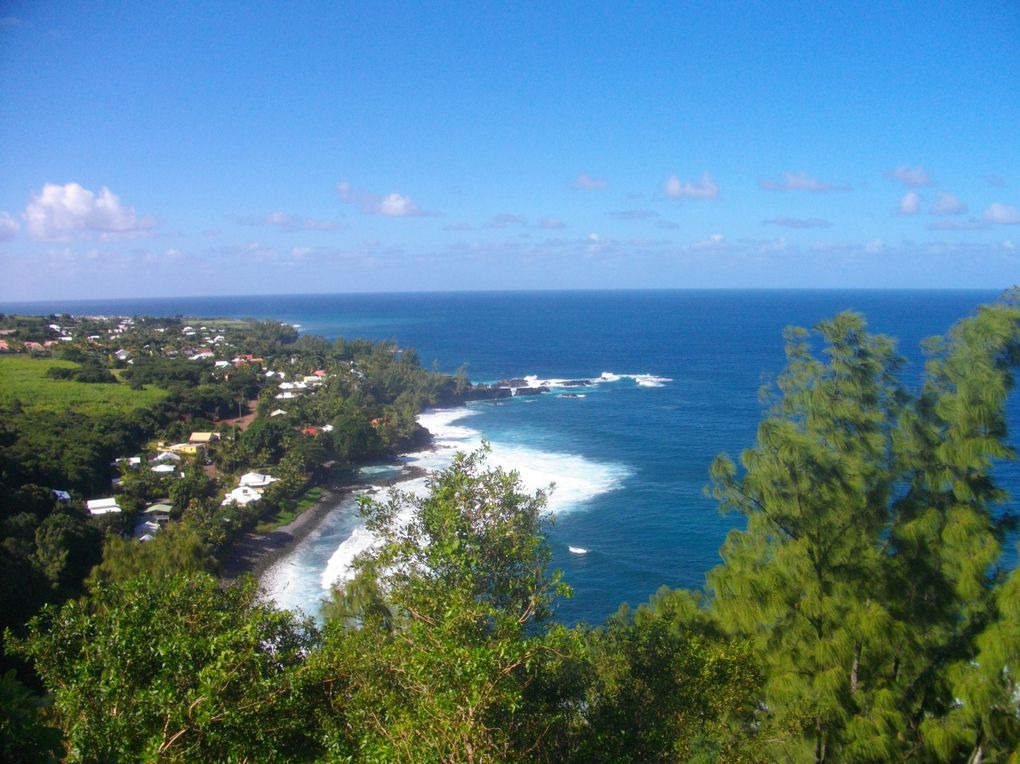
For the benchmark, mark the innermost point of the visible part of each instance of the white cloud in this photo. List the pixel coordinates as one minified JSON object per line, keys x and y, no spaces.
{"x":505,"y":220}
{"x":702,"y":189}
{"x":633,"y":214}
{"x":801,"y":181}
{"x":8,"y":226}
{"x":947,"y":204}
{"x":913,"y":177}
{"x":715,"y":242}
{"x":287,"y":222}
{"x":397,"y":206}
{"x":956,"y":225}
{"x":297,"y":223}
{"x":1002,"y":214}
{"x":802,"y":223}
{"x":910,"y":204}
{"x":58,"y":212}
{"x":586,"y":182}
{"x":392,"y":205}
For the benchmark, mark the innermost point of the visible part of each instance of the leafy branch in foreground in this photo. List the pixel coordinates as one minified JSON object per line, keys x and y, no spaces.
{"x":443,"y":635}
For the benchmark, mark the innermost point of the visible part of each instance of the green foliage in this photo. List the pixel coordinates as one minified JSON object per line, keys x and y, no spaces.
{"x":175,"y":669}
{"x":177,"y":549}
{"x":443,"y":637}
{"x":25,"y":738}
{"x":666,"y":686}
{"x":26,"y":379}
{"x":865,"y":575}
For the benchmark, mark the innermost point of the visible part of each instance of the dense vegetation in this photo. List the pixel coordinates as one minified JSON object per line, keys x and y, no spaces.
{"x":861,"y":614}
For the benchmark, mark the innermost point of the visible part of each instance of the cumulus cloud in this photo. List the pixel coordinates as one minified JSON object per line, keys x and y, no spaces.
{"x":913,"y":177}
{"x":392,"y":205}
{"x":586,"y":182}
{"x":947,"y":204}
{"x":633,"y":214}
{"x":8,"y":227}
{"x":804,"y":223}
{"x":59,"y":212}
{"x":801,"y":181}
{"x":705,"y":188}
{"x":1002,"y":214}
{"x":910,"y":204}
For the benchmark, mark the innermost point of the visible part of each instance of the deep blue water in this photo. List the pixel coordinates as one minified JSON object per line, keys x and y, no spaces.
{"x":642,"y":450}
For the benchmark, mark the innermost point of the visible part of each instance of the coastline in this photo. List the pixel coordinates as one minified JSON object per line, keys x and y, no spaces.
{"x":254,"y":552}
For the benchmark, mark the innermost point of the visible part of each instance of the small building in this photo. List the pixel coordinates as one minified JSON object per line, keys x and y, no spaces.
{"x":188,"y":449}
{"x":255,"y":480}
{"x":241,"y":495}
{"x":97,"y":507}
{"x":159,"y":513}
{"x":203,"y":438}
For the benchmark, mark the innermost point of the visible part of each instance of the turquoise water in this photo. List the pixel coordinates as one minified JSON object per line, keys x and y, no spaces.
{"x":630,"y":455}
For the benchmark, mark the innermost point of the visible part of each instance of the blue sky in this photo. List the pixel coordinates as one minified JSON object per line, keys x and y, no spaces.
{"x":154,"y":149}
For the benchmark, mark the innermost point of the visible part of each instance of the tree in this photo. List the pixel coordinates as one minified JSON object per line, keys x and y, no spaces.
{"x":665,"y":686}
{"x":442,"y":638}
{"x":865,"y":576}
{"x":176,"y":669}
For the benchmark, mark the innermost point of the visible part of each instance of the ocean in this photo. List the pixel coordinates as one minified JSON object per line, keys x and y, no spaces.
{"x":677,"y":378}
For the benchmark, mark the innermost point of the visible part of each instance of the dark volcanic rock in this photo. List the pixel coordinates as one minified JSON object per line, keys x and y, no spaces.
{"x":487,"y":392}
{"x":576,"y":383}
{"x":531,"y":390}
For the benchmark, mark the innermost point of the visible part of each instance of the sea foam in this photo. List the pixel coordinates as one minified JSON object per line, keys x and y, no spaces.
{"x":302,"y":579}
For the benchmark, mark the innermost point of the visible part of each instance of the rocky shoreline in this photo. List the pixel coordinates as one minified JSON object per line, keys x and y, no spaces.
{"x":254,"y":553}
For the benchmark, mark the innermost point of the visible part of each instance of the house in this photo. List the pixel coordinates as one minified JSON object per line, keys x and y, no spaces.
{"x":97,"y":507}
{"x":279,"y":412}
{"x":188,"y":449}
{"x":327,"y":428}
{"x":310,"y":431}
{"x":4,"y":347}
{"x":167,"y":456}
{"x":34,"y":347}
{"x":146,"y":530}
{"x":203,"y":355}
{"x":159,"y":513}
{"x":203,"y":438}
{"x":164,"y":469}
{"x":122,"y":355}
{"x":61,"y":495}
{"x":255,"y":480}
{"x":241,"y":495}
{"x":134,"y":462}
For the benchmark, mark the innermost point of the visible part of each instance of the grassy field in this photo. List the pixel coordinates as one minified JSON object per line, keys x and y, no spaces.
{"x":308,"y":500}
{"x":24,"y":379}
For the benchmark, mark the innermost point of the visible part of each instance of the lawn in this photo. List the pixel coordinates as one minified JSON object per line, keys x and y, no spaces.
{"x":24,"y":379}
{"x":308,"y":500}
